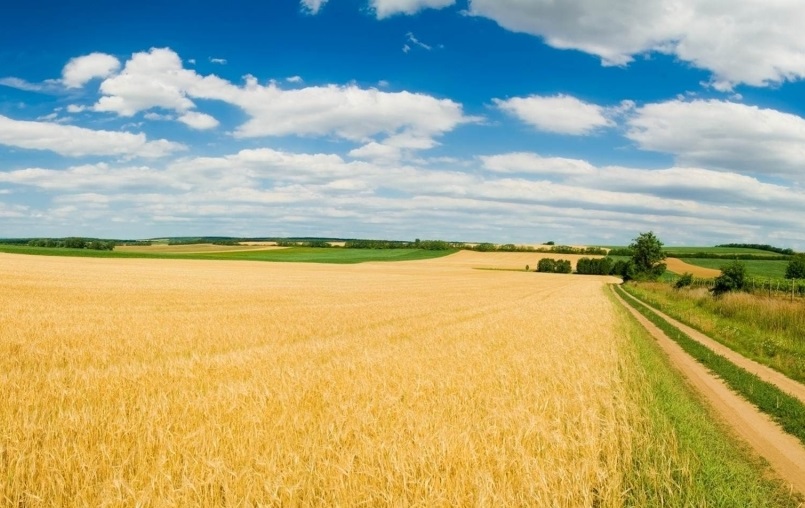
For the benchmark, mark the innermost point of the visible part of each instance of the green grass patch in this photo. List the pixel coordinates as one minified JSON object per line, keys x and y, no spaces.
{"x":716,"y":250}
{"x":786,"y":410}
{"x":290,"y":255}
{"x":712,"y":468}
{"x":754,"y":268}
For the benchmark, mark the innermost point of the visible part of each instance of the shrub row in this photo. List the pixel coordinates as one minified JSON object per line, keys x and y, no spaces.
{"x":73,"y":243}
{"x":547,"y":265}
{"x":759,"y":246}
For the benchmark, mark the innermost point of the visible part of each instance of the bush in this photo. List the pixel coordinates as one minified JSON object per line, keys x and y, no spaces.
{"x":684,"y":281}
{"x":732,"y":278}
{"x":563,"y":266}
{"x":485,"y":247}
{"x":599,"y":266}
{"x":547,"y":265}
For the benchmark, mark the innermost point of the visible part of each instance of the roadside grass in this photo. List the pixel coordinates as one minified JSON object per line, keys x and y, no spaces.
{"x":720,"y":471}
{"x":290,"y":255}
{"x":786,"y":410}
{"x":754,"y":268}
{"x":767,"y":330}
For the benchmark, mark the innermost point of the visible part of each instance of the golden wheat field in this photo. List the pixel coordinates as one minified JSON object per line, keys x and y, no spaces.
{"x":134,"y":382}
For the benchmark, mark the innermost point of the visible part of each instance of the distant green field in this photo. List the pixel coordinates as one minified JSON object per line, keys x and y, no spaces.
{"x":671,"y":251}
{"x":716,"y":250}
{"x":290,"y":255}
{"x":764,"y":269}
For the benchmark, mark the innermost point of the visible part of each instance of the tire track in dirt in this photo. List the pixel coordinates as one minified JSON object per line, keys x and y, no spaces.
{"x":784,"y":452}
{"x":786,"y":384}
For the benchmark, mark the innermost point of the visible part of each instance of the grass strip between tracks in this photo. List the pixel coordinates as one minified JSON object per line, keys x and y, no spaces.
{"x":786,"y":410}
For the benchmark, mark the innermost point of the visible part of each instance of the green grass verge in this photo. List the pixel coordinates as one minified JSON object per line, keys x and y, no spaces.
{"x":754,"y":268}
{"x":291,"y":255}
{"x":786,"y":410}
{"x":713,"y":469}
{"x":768,"y":331}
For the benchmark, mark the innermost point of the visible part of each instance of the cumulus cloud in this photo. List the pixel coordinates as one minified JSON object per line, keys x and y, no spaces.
{"x":74,"y":141}
{"x":82,"y":69}
{"x":219,"y":61}
{"x":386,"y":8}
{"x":272,"y":188}
{"x":723,"y":135}
{"x":157,"y":79}
{"x":149,"y":79}
{"x":199,"y":121}
{"x":561,"y":114}
{"x":348,"y":112}
{"x":752,"y":41}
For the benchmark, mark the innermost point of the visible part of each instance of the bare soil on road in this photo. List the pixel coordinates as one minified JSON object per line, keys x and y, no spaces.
{"x":784,"y":452}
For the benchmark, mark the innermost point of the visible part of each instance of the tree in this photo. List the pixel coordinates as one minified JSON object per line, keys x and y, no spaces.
{"x":796,"y":267}
{"x":732,"y":278}
{"x":647,"y":256}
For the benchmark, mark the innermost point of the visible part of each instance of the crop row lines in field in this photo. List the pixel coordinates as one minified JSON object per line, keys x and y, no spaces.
{"x":786,"y":410}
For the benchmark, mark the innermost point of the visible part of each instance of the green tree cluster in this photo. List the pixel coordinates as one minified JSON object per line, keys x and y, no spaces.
{"x":796,"y":267}
{"x":732,"y":278}
{"x":647,"y":257}
{"x":547,"y":265}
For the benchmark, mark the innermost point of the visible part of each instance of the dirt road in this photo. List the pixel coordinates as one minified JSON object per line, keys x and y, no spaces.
{"x":783,"y":451}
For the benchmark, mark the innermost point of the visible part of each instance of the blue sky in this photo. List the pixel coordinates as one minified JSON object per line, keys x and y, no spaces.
{"x":581,"y":122}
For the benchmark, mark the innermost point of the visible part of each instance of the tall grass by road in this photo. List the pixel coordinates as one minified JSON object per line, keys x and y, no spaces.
{"x":769,"y":330}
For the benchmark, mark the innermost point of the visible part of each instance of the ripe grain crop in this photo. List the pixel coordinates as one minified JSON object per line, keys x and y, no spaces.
{"x":133,"y":382}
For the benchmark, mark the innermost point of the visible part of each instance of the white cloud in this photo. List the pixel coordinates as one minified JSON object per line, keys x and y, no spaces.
{"x":199,"y":121}
{"x":92,"y":176}
{"x":82,"y":69}
{"x":723,"y":135}
{"x":561,"y":114}
{"x":49,"y":86}
{"x":313,"y":6}
{"x":534,"y":164}
{"x":75,"y":108}
{"x":376,"y":152}
{"x":294,"y":79}
{"x":749,"y":41}
{"x":157,"y":117}
{"x":149,"y":80}
{"x":348,"y":112}
{"x":74,"y":141}
{"x":411,"y":38}
{"x":298,"y":193}
{"x":219,"y":61}
{"x":157,"y":79}
{"x":386,"y":8}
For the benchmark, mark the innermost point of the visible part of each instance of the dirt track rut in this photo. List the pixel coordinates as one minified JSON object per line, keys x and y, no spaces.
{"x":783,"y":451}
